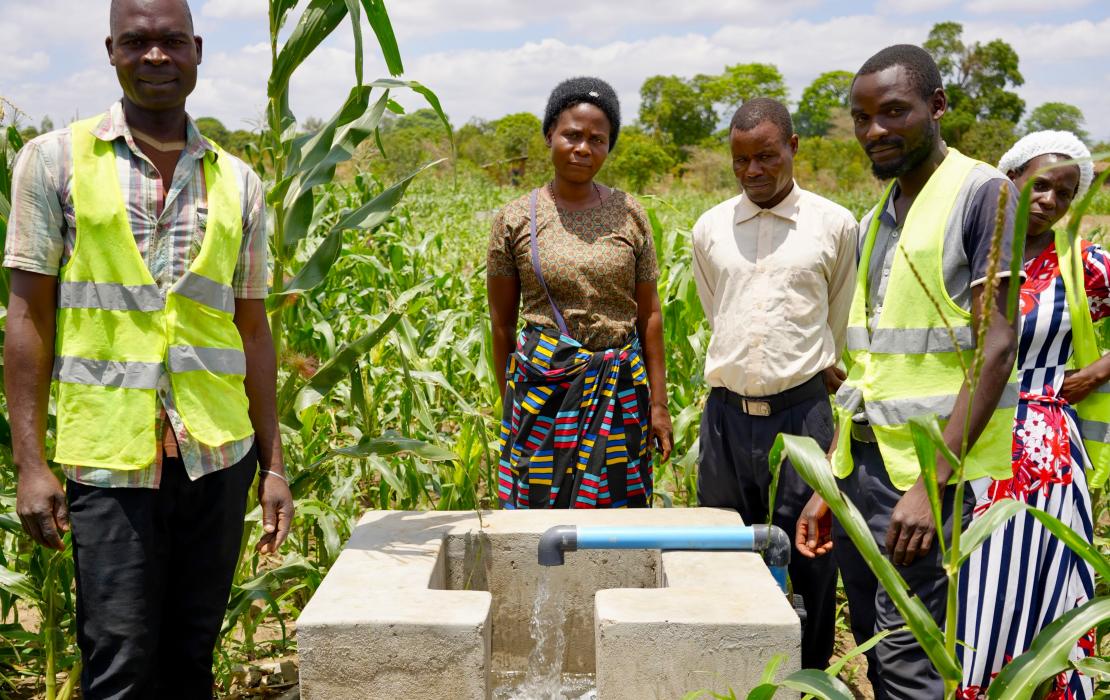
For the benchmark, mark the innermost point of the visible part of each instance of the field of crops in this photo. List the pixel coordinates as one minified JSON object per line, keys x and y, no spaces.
{"x":386,"y":391}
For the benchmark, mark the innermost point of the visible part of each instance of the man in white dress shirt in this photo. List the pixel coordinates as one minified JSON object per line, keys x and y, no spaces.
{"x":775,"y":268}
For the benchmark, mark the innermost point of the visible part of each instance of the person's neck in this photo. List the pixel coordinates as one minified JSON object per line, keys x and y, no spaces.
{"x":911,"y":183}
{"x":778,"y":198}
{"x":1038,"y":243}
{"x":164,"y":125}
{"x":574,"y":193}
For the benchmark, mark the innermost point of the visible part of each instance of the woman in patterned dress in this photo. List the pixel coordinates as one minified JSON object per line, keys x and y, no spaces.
{"x":584,"y":392}
{"x":1023,"y":578}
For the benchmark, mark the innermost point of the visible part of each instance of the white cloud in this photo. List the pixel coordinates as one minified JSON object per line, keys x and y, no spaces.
{"x":234,"y":9}
{"x":983,"y":7}
{"x":910,"y":7}
{"x":472,"y":80}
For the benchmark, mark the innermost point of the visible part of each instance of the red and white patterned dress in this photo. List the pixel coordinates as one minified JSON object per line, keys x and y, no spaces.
{"x":1023,"y":577}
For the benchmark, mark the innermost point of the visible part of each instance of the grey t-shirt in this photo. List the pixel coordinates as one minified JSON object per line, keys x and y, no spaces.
{"x":967,"y":238}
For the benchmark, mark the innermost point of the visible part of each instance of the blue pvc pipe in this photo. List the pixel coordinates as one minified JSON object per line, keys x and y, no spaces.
{"x":741,"y":538}
{"x":770,"y":541}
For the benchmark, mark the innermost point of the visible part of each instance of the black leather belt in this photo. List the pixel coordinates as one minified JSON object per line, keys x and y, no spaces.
{"x":813,"y":388}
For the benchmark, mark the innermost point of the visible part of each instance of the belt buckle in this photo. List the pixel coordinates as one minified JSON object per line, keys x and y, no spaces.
{"x":756,"y":408}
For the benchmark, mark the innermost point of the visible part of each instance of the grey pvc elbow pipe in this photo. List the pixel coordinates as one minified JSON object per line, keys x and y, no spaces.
{"x":555,"y":541}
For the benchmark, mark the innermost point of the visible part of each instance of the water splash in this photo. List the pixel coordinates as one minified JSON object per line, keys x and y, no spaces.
{"x":544,"y":679}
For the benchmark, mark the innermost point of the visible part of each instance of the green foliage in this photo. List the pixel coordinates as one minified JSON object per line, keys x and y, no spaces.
{"x":739,"y":83}
{"x":1057,"y":115}
{"x":213,"y":129}
{"x":520,"y":134}
{"x":988,"y":139}
{"x":637,"y":160}
{"x":824,"y":97}
{"x":676,"y":110}
{"x":977,"y":76}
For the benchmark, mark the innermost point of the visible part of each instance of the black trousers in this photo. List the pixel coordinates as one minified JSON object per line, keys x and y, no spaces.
{"x":733,"y":472}
{"x":897,"y":667}
{"x":154,"y":570}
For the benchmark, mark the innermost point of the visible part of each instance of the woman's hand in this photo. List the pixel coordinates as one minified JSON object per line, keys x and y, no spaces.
{"x":1079,"y":384}
{"x":662,"y":434}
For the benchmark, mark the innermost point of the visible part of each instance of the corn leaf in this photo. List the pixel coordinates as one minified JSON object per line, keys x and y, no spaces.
{"x":814,"y":683}
{"x":320,"y":19}
{"x":392,"y":443}
{"x":279,"y":10}
{"x":338,"y":367}
{"x":383,"y":29}
{"x":835,"y":668}
{"x":17,"y":584}
{"x":927,"y":440}
{"x":367,"y":217}
{"x":375,"y":212}
{"x":355,"y":13}
{"x":810,"y":462}
{"x":1048,"y":654}
{"x":1001,"y":512}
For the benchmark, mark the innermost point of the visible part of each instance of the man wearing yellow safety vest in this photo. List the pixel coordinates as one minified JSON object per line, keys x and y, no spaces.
{"x":137,"y":251}
{"x":925,"y":256}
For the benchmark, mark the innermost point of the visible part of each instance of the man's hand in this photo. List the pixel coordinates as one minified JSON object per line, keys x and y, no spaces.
{"x":662,"y":432}
{"x":912,"y":529}
{"x":834,"y":377}
{"x":41,"y":505}
{"x":1079,"y":384}
{"x":277,"y":511}
{"x":813,"y":533}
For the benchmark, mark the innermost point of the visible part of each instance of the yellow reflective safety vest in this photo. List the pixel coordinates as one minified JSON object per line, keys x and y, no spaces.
{"x":116,"y":334}
{"x":909,"y":363}
{"x":1094,"y":411}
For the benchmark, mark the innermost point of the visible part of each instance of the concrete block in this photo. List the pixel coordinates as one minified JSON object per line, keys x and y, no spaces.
{"x":429,"y":604}
{"x":396,"y":644}
{"x":663,"y":643}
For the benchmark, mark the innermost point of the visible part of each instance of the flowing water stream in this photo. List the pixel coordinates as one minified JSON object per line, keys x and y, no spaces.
{"x":544,"y":679}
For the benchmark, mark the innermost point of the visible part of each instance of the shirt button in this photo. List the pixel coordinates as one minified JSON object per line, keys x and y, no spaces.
{"x":886,"y":273}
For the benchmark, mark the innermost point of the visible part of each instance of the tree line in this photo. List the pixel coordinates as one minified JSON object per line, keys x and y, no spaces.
{"x":682,"y":124}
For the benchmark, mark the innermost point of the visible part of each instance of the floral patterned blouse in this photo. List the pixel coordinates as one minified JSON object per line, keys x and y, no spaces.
{"x":592,"y":261}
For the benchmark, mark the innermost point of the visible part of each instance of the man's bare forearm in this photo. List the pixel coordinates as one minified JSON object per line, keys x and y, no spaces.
{"x":999,"y":355}
{"x":261,"y":386}
{"x":29,"y":363}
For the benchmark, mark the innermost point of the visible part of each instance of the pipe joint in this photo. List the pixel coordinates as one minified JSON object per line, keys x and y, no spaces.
{"x":556,"y":541}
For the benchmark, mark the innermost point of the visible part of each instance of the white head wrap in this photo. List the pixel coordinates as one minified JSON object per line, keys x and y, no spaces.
{"x":1041,"y":142}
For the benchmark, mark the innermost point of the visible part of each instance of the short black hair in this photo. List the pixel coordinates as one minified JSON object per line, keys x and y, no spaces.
{"x":113,"y":15}
{"x":763,"y":109}
{"x":576,"y":91}
{"x":921,"y":67}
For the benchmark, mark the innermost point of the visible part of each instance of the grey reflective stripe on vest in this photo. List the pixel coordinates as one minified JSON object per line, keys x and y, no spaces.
{"x":109,"y":296}
{"x":186,"y":358}
{"x":899,"y":411}
{"x":910,"y":341}
{"x":125,"y":375}
{"x":205,"y":291}
{"x":1094,"y":430}
{"x":848,"y":398}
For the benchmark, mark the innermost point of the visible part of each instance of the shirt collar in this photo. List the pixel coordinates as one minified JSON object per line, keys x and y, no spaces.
{"x":786,"y":209}
{"x":114,"y":126}
{"x":889,"y":215}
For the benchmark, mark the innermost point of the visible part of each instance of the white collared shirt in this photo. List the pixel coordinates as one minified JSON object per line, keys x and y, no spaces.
{"x":776,"y":285}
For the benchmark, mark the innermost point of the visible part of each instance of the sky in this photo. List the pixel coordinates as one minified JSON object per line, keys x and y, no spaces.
{"x":488,"y":58}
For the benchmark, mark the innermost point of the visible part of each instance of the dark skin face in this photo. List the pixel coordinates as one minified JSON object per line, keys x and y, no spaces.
{"x":579,"y":143}
{"x":156,"y":55}
{"x":1052,"y":194}
{"x":763,"y":162}
{"x":897,"y":127}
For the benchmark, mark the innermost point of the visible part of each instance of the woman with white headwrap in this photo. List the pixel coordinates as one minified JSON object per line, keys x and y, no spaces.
{"x":1023,"y":578}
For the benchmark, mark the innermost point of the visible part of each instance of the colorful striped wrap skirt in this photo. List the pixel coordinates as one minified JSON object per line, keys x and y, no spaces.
{"x":575,"y":428}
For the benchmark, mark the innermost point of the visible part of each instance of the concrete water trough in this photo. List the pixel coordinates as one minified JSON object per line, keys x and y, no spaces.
{"x":438,"y":605}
